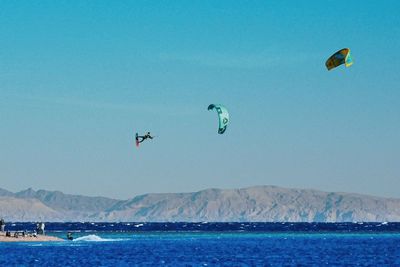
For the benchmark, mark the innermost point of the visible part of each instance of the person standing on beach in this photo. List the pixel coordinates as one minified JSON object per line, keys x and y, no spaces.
{"x":40,"y":228}
{"x":2,"y":225}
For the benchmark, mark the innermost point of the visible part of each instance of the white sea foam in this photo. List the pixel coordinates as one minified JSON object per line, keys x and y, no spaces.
{"x":95,"y":238}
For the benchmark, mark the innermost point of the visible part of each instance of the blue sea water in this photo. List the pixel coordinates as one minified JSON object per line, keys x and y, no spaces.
{"x":209,"y":244}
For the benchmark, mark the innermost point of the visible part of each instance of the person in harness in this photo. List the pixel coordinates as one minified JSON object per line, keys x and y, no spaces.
{"x":140,"y":139}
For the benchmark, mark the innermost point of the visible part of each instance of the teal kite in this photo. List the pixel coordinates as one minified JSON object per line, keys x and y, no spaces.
{"x":340,"y":57}
{"x":223,"y":116}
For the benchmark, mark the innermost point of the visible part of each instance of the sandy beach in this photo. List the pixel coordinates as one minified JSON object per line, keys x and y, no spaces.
{"x":38,"y":238}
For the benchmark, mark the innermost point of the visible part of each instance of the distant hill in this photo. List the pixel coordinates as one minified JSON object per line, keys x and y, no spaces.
{"x":60,"y":201}
{"x":5,"y":193}
{"x":259,"y":203}
{"x":16,"y":209}
{"x":54,"y":205}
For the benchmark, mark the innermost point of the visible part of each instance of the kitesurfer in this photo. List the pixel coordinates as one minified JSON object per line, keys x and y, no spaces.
{"x":144,"y":137}
{"x":69,"y":236}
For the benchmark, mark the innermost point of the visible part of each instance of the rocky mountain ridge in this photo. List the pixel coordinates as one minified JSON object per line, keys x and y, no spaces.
{"x":258,"y":203}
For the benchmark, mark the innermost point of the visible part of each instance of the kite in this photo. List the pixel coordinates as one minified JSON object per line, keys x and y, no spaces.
{"x":340,"y":57}
{"x":223,"y":116}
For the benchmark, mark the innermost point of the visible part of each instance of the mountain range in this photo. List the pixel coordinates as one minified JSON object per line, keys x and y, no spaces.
{"x":253,"y":204}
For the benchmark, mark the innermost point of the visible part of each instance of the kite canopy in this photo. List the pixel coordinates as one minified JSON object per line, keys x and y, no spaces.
{"x":340,"y":57}
{"x":223,"y":116}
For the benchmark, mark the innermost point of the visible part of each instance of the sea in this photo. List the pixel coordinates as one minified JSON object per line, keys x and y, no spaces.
{"x":208,"y":244}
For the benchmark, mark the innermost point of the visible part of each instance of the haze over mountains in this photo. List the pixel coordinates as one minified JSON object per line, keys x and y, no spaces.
{"x":259,"y":203}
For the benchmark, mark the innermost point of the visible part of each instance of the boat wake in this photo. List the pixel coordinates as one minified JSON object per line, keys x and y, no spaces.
{"x":95,"y":238}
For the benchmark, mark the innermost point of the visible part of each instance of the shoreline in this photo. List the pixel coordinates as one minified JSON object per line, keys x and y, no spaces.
{"x":38,"y":238}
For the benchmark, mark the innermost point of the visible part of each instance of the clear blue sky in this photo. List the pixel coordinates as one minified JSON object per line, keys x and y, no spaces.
{"x":79,"y":78}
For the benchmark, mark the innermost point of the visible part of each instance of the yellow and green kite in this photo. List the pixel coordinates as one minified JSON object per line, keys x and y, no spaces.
{"x":340,"y":57}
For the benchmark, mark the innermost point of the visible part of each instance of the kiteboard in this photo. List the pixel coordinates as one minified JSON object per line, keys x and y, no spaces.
{"x":137,"y":139}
